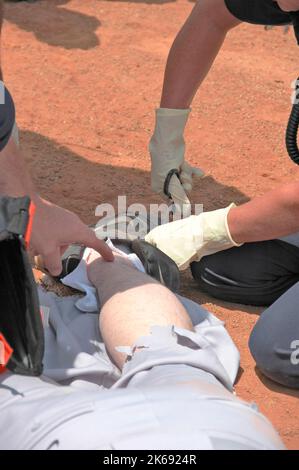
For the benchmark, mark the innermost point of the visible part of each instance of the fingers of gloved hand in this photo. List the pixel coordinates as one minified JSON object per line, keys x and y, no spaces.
{"x":187,"y":173}
{"x":170,"y":239}
{"x":179,"y":196}
{"x":150,"y":238}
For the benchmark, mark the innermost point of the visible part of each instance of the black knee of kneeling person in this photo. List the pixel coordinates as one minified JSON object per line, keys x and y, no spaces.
{"x":7,"y":115}
{"x":253,"y":274}
{"x":230,"y":276}
{"x":276,"y":359}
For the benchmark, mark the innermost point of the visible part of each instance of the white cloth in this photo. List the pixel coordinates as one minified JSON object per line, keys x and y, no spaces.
{"x":78,"y":279}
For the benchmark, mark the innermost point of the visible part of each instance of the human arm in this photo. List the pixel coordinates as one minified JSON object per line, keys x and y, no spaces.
{"x":54,"y":228}
{"x":186,"y":68}
{"x":274,"y":215}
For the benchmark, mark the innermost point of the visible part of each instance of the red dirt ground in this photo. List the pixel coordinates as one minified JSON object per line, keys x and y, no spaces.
{"x":86,"y":77}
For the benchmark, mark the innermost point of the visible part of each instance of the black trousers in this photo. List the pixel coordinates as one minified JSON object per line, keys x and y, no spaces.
{"x":253,"y":274}
{"x":266,"y":12}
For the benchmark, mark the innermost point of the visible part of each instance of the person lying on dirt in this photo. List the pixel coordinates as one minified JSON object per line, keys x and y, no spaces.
{"x":139,"y":375}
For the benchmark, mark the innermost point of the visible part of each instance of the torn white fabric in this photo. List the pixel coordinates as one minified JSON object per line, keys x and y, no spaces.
{"x":76,"y":354}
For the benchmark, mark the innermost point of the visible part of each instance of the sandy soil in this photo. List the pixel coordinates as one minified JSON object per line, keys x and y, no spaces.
{"x":86,"y":76}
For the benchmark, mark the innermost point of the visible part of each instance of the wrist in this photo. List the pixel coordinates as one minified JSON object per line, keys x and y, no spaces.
{"x":231,"y":235}
{"x":216,"y":230}
{"x":233,"y":226}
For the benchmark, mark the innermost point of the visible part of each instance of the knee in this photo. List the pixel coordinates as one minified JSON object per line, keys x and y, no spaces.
{"x":209,"y":270}
{"x":203,"y":272}
{"x":198,"y":268}
{"x":275,"y":359}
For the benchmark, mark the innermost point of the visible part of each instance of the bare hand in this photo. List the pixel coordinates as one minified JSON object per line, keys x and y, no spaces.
{"x":54,"y":228}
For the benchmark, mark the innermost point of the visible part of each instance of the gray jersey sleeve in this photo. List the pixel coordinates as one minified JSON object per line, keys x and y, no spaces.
{"x":7,"y":115}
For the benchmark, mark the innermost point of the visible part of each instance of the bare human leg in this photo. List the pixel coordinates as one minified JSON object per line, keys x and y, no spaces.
{"x":132,"y":302}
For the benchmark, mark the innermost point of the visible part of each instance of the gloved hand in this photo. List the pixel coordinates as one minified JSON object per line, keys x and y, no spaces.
{"x":190,"y":239}
{"x":167,"y":149}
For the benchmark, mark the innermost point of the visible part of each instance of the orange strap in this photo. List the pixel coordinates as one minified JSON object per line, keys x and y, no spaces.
{"x":5,"y":353}
{"x":30,"y":223}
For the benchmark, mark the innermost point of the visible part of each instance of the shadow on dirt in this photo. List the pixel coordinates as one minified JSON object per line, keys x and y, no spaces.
{"x":73,"y":180}
{"x":56,"y":26}
{"x":275,"y":387}
{"x":68,"y":176}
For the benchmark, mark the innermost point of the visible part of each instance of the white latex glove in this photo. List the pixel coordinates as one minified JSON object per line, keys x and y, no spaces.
{"x":190,"y":239}
{"x":167,"y":150}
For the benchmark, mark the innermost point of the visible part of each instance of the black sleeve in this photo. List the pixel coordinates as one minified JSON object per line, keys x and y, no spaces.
{"x":264,"y":12}
{"x":7,"y":115}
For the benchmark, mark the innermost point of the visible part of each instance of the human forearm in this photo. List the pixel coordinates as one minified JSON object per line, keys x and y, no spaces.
{"x":193,"y":52}
{"x":54,"y":228}
{"x":132,"y":303}
{"x":14,"y":176}
{"x":190,"y":59}
{"x":273,"y":215}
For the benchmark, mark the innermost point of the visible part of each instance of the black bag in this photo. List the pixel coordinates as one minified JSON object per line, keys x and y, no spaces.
{"x":21,"y":328}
